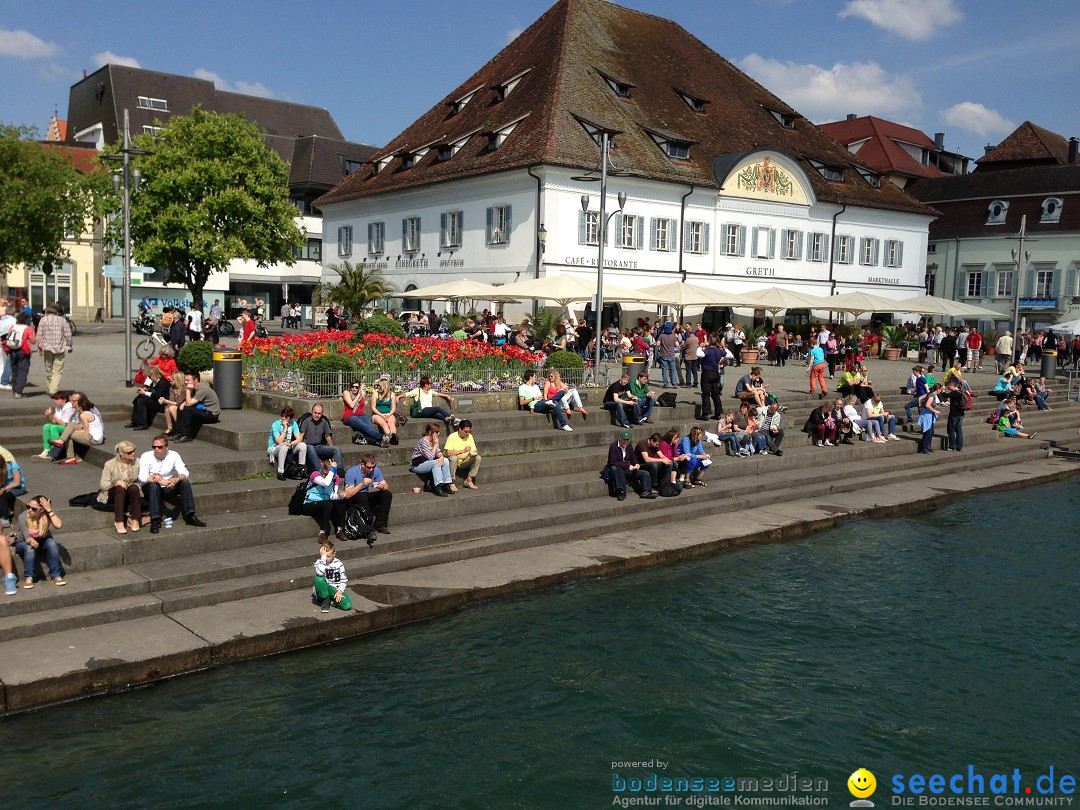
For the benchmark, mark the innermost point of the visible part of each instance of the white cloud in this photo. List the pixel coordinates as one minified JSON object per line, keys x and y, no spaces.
{"x":826,"y":94}
{"x":247,"y":88}
{"x":911,"y":19}
{"x":55,"y":72}
{"x":110,"y":58}
{"x":974,"y":117}
{"x":24,"y":45}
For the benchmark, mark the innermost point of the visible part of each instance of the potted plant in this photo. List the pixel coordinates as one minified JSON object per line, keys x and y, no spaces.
{"x":990,"y":339}
{"x":894,"y":339}
{"x":750,"y":350}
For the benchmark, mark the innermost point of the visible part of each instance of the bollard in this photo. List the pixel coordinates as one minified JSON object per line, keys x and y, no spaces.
{"x":228,"y":377}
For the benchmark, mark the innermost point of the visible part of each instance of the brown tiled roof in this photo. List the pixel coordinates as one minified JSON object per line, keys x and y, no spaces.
{"x":83,"y":158}
{"x":881,"y":150}
{"x":318,"y":162}
{"x":1027,"y":145}
{"x":964,"y":200}
{"x":568,"y":52}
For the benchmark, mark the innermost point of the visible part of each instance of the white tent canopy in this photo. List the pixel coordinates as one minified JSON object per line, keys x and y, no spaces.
{"x":682,"y":294}
{"x":565,"y":290}
{"x":460,"y":289}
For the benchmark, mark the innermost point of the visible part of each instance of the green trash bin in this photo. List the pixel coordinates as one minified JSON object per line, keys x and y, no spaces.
{"x":228,"y":378}
{"x":634,"y":364}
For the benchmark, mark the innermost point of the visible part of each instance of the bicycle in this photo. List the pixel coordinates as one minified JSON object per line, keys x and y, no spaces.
{"x":151,"y":346}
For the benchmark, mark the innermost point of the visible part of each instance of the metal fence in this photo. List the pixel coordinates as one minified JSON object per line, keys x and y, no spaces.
{"x":315,"y":385}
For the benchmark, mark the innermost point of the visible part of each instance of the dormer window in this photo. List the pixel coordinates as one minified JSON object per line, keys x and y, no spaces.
{"x":459,"y":105}
{"x":147,"y":103}
{"x":785,"y":119}
{"x":621,"y":87}
{"x":695,"y":104}
{"x":675,"y":148}
{"x":595,"y":133}
{"x":506,"y":88}
{"x":996,"y":212}
{"x":407,"y":160}
{"x":869,"y":176}
{"x":445,"y":153}
{"x":834,"y":174}
{"x":382,"y":163}
{"x":456,"y":146}
{"x":499,"y":136}
{"x":1051,"y":210}
{"x":351,"y":165}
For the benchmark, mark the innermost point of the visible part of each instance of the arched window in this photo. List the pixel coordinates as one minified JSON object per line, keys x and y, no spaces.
{"x":1051,"y":210}
{"x":996,"y":212}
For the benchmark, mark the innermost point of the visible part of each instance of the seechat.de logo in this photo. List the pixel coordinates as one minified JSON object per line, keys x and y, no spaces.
{"x":862,"y":785}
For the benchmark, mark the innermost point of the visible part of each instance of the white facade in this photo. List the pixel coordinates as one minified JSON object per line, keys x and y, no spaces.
{"x":732,"y":240}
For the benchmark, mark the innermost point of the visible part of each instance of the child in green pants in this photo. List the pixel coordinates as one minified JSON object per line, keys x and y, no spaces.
{"x":330,"y":580}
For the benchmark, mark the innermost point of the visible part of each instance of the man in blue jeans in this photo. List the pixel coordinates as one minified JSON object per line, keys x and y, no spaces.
{"x":667,"y":348}
{"x":318,"y":436}
{"x":618,"y":397}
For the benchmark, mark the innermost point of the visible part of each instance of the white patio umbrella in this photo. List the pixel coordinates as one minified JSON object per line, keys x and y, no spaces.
{"x":775,"y":299}
{"x":857,"y":303}
{"x":681,"y":294}
{"x":458,"y":289}
{"x":1068,"y":327}
{"x":565,"y":290}
{"x":933,"y":305}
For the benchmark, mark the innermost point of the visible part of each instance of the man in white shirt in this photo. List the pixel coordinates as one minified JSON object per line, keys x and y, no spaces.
{"x":163,"y":475}
{"x":195,"y":323}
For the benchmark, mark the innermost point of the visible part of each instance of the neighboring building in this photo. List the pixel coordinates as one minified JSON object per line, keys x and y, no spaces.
{"x":1033,"y":173}
{"x":75,"y":281}
{"x":305,"y":137}
{"x":899,"y":153}
{"x":727,"y":185}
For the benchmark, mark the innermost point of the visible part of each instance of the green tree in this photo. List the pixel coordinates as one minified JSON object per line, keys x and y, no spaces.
{"x":212,"y":192}
{"x":356,"y":287}
{"x":41,"y":195}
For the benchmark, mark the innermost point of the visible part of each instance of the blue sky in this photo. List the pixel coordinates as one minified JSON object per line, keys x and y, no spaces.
{"x":973,"y":69}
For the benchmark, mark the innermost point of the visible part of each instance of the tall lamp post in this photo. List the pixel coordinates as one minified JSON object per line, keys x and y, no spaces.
{"x":123,"y":182}
{"x":1019,"y":255}
{"x":605,"y":141}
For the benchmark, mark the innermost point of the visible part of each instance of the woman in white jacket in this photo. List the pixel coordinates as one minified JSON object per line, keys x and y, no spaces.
{"x":871,"y":428}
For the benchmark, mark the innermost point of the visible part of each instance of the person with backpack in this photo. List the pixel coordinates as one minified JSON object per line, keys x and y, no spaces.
{"x":366,"y":488}
{"x":18,"y":348}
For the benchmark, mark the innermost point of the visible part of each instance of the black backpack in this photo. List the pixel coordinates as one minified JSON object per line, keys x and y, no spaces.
{"x":359,"y":524}
{"x":297,"y":499}
{"x":668,"y":489}
{"x":296,"y":471}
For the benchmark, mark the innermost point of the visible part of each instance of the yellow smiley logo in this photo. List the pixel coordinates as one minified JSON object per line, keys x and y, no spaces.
{"x":861,"y":783}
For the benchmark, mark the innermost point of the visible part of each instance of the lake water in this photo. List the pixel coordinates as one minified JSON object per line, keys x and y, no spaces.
{"x":907,"y":646}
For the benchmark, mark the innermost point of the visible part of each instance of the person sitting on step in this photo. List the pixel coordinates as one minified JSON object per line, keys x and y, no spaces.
{"x":530,"y":398}
{"x":163,"y":475}
{"x":652,"y":459}
{"x":318,"y":436}
{"x":200,"y":407}
{"x":645,"y":396}
{"x":423,"y":397}
{"x":460,"y":450}
{"x":617,"y":398}
{"x":285,"y":442}
{"x":623,"y":464}
{"x":352,"y":399}
{"x":555,"y":388}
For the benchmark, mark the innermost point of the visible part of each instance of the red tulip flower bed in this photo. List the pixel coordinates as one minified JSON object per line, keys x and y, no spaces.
{"x":456,"y":364}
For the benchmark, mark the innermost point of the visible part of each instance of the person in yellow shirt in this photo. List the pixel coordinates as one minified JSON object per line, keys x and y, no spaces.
{"x":460,"y":450}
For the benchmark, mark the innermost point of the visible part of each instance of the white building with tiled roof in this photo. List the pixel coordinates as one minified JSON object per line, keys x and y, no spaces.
{"x":727,"y":186}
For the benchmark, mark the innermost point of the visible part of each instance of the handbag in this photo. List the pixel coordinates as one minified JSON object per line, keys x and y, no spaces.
{"x":700,"y":352}
{"x":415,"y":411}
{"x":400,"y":418}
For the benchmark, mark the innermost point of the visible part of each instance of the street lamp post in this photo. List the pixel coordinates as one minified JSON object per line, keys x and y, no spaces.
{"x":1019,"y":255}
{"x":602,"y":223}
{"x":123,"y":181}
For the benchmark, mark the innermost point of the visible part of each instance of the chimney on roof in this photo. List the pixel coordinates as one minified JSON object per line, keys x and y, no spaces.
{"x":1073,"y":144}
{"x":851,"y":116}
{"x":84,"y":73}
{"x":987,"y":148}
{"x":939,"y":141}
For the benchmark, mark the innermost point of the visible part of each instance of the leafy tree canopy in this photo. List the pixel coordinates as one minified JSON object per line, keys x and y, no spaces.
{"x":357,"y":287}
{"x":41,"y":195}
{"x":211,"y":192}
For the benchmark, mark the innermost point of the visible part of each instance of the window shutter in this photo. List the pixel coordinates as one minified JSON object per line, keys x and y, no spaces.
{"x":445,"y":239}
{"x":1059,"y":279}
{"x":619,"y":230}
{"x":772,"y":242}
{"x":461,"y":227}
{"x":989,"y":282}
{"x":798,"y":245}
{"x":1070,"y":284}
{"x":671,"y":237}
{"x":825,"y":246}
{"x":686,"y":236}
{"x":704,"y":237}
{"x":784,"y":239}
{"x":740,"y":248}
{"x":877,"y":251}
{"x":961,"y":285}
{"x":404,"y":234}
{"x":508,"y":226}
{"x":582,"y":228}
{"x":899,"y":254}
{"x":419,"y":232}
{"x":652,"y":233}
{"x":491,"y":226}
{"x":755,"y":235}
{"x":638,"y":232}
{"x":370,"y":238}
{"x":1029,"y":283}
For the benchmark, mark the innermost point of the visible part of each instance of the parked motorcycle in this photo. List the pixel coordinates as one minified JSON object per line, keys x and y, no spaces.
{"x":145,"y":324}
